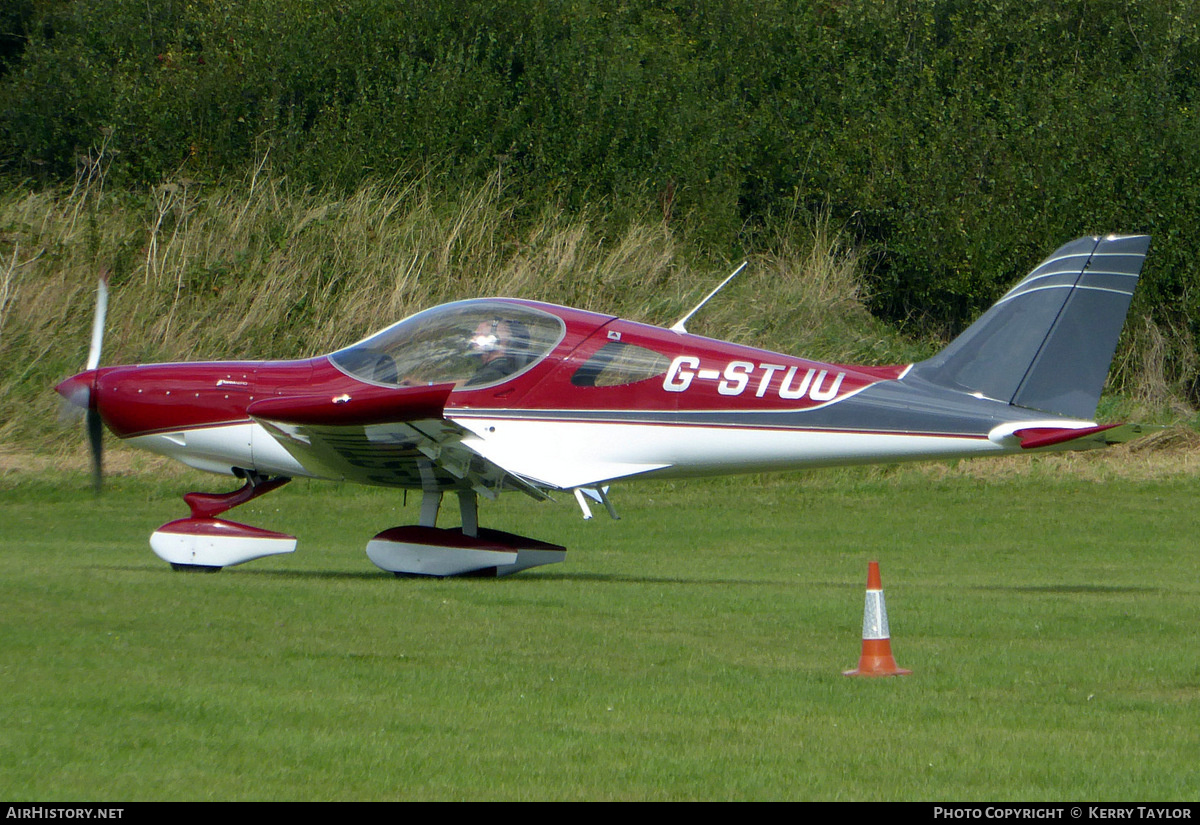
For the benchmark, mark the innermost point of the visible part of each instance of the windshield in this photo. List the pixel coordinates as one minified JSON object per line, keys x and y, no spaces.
{"x":470,"y":343}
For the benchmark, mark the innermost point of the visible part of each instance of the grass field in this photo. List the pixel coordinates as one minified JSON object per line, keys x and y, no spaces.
{"x":692,"y":650}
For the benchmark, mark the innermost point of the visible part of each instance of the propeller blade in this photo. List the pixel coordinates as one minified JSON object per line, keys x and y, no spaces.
{"x":78,"y":391}
{"x":98,"y":322}
{"x":95,"y":430}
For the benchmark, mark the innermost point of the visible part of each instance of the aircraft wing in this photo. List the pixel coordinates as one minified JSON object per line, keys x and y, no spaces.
{"x":389,"y":437}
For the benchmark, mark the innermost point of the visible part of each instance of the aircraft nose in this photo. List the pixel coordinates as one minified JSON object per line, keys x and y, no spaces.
{"x":78,"y":389}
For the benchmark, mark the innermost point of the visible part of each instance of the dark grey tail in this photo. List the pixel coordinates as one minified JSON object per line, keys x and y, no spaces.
{"x":1048,"y":343}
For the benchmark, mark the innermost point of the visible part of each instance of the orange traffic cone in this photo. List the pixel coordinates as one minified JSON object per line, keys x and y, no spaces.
{"x":876,"y":659}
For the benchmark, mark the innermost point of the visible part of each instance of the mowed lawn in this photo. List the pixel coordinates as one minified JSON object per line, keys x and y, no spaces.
{"x":692,"y":650}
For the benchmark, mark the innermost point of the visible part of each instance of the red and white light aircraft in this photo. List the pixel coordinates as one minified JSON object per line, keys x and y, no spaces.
{"x":487,"y":396}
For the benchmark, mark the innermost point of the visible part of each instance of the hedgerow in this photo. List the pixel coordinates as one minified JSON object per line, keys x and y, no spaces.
{"x":958,"y":141}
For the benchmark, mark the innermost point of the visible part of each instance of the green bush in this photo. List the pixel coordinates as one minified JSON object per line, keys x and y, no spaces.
{"x":960,"y":141}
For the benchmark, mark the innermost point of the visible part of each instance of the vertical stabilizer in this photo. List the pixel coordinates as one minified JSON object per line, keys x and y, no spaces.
{"x":1048,"y":343}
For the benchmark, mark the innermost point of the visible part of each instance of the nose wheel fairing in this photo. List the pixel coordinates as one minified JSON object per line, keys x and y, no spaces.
{"x":205,"y":542}
{"x":213,"y":543}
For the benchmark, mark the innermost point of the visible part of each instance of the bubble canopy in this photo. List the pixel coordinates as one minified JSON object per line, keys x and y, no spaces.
{"x":473,"y":344}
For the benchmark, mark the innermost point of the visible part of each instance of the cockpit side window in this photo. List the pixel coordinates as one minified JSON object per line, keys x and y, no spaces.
{"x":617,"y":363}
{"x":473,"y":344}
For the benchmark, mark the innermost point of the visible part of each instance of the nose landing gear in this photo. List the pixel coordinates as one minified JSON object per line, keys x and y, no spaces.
{"x":206,"y":543}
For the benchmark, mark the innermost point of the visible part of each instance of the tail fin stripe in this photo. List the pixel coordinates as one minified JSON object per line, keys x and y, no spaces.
{"x":1105,"y":289}
{"x":1071,"y":286}
{"x":1088,"y":279}
{"x":1037,"y":275}
{"x":1027,"y":286}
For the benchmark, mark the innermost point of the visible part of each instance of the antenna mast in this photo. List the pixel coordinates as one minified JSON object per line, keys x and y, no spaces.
{"x":679,"y":325}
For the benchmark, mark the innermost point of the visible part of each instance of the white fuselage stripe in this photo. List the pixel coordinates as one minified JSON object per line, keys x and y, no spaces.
{"x":568,"y":454}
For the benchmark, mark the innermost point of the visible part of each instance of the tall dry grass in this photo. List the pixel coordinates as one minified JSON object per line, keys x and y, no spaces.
{"x":261,"y":269}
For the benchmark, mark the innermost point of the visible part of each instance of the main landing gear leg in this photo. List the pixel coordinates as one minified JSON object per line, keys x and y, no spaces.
{"x":425,"y":550}
{"x":206,"y":543}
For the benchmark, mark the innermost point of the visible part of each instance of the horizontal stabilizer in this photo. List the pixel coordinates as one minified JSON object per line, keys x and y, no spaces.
{"x":1083,"y":438}
{"x":1048,"y":343}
